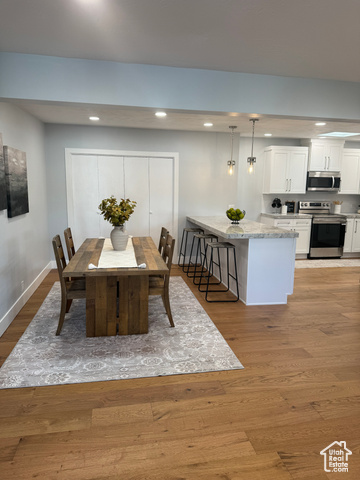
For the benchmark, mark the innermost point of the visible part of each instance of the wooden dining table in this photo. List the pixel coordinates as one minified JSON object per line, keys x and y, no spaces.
{"x":116,"y":298}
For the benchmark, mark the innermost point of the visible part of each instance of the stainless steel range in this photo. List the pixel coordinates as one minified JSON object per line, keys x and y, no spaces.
{"x":327,"y":230}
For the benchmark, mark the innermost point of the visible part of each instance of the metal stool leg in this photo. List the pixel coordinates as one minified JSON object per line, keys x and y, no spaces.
{"x":184,"y":242}
{"x":209,"y":267}
{"x":229,"y":276}
{"x":181,"y":254}
{"x":200,"y":252}
{"x":190,"y":264}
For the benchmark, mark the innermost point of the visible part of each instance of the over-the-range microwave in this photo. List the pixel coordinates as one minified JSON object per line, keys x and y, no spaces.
{"x":323,"y":181}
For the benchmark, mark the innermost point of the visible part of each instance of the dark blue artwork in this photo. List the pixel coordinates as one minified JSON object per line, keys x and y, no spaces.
{"x":3,"y":199}
{"x":16,"y":182}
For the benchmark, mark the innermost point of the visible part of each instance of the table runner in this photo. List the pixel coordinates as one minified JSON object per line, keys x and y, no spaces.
{"x":111,"y":258}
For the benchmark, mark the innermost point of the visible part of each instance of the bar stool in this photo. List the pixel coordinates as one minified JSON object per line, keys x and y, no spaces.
{"x":217,"y":246}
{"x":183,"y":245}
{"x":199,"y":252}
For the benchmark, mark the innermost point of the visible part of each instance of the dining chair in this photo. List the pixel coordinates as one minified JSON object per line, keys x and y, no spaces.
{"x":69,"y":242}
{"x":162,"y":241}
{"x":70,"y":288}
{"x":160,"y":285}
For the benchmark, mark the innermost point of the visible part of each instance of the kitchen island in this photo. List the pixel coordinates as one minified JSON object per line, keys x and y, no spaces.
{"x":265,"y":257}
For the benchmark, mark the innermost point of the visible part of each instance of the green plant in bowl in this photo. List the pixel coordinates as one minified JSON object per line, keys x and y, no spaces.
{"x":235,"y":215}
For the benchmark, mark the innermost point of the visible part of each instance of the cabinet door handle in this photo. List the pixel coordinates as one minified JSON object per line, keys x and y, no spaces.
{"x":290,"y":185}
{"x":356,"y":224}
{"x":325,"y":163}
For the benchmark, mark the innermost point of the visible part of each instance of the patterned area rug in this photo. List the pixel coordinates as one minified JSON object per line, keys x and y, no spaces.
{"x":328,"y":263}
{"x":194,"y":345}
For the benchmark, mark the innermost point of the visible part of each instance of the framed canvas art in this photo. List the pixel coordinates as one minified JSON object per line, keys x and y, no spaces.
{"x":16,"y":182}
{"x":3,"y":199}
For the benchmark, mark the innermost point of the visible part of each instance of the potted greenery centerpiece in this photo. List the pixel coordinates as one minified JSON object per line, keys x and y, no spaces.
{"x":117,"y":213}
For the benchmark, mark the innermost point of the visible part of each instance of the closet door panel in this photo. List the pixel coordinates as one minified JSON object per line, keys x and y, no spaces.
{"x":161,"y":196}
{"x":111,"y":182}
{"x":85,"y":198}
{"x":136,"y":174}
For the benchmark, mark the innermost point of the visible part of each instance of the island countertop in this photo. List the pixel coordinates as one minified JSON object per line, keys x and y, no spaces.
{"x":221,"y":226}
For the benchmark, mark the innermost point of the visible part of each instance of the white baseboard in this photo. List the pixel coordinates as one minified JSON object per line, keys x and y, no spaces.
{"x":9,"y":316}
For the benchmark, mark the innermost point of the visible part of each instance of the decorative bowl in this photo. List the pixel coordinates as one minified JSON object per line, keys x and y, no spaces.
{"x":235,"y":215}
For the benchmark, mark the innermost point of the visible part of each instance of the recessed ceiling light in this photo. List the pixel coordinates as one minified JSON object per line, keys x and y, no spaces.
{"x":320,"y":124}
{"x":208,"y":124}
{"x":267,"y":134}
{"x":339,"y":134}
{"x":160,"y":114}
{"x":94,"y":119}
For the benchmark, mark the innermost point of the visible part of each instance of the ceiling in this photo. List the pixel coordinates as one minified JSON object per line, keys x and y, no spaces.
{"x":307,"y":38}
{"x":114,"y":116}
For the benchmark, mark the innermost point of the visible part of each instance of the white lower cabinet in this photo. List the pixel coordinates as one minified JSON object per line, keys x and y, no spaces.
{"x":352,"y":236}
{"x":301,"y":226}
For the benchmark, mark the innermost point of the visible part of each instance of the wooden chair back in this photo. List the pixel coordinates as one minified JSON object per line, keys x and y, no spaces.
{"x":60,"y":259}
{"x":168,"y":252}
{"x":59,"y":254}
{"x":162,"y":240}
{"x":159,"y":284}
{"x":69,"y":242}
{"x":70,"y":288}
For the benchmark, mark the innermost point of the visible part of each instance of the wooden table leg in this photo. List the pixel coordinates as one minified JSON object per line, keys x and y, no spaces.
{"x":133,"y":304}
{"x":105,"y":311}
{"x":101,"y":312}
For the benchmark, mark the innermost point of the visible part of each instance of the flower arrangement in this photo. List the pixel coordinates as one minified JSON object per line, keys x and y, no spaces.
{"x":117,"y":213}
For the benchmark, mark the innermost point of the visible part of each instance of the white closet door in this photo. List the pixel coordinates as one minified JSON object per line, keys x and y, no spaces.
{"x":136,"y":172}
{"x":161,"y":196}
{"x":85,"y":198}
{"x":111,"y":182}
{"x":150,"y":180}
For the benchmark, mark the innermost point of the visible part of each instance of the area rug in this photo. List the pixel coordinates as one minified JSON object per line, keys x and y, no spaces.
{"x":328,"y":263}
{"x":40,"y":358}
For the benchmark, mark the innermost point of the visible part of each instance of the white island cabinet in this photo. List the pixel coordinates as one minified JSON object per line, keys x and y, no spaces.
{"x":265,"y":257}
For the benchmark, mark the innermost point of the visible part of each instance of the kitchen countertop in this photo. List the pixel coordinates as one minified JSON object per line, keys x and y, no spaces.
{"x":351,"y":215}
{"x":305,"y":215}
{"x":287,"y":215}
{"x":220,"y":225}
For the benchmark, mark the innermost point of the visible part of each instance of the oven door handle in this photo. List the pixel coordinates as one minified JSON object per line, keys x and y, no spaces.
{"x":325,"y":221}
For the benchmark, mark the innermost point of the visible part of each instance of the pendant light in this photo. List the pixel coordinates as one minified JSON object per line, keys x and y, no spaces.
{"x":252,"y":160}
{"x":231,"y":162}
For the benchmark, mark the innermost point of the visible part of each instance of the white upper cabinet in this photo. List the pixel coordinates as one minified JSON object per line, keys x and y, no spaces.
{"x":324,"y":155}
{"x":285,"y":169}
{"x":350,"y":172}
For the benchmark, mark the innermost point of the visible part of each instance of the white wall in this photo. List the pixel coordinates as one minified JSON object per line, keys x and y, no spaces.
{"x":205,"y":188}
{"x":24,"y":245}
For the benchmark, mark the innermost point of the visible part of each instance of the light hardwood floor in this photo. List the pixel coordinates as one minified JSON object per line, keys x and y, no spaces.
{"x":298,"y":393}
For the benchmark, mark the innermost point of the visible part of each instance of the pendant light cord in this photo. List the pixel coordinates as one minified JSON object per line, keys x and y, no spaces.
{"x":253,"y":133}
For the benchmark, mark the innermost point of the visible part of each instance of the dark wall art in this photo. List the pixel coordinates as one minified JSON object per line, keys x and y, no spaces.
{"x":3,"y":199}
{"x":16,"y":182}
